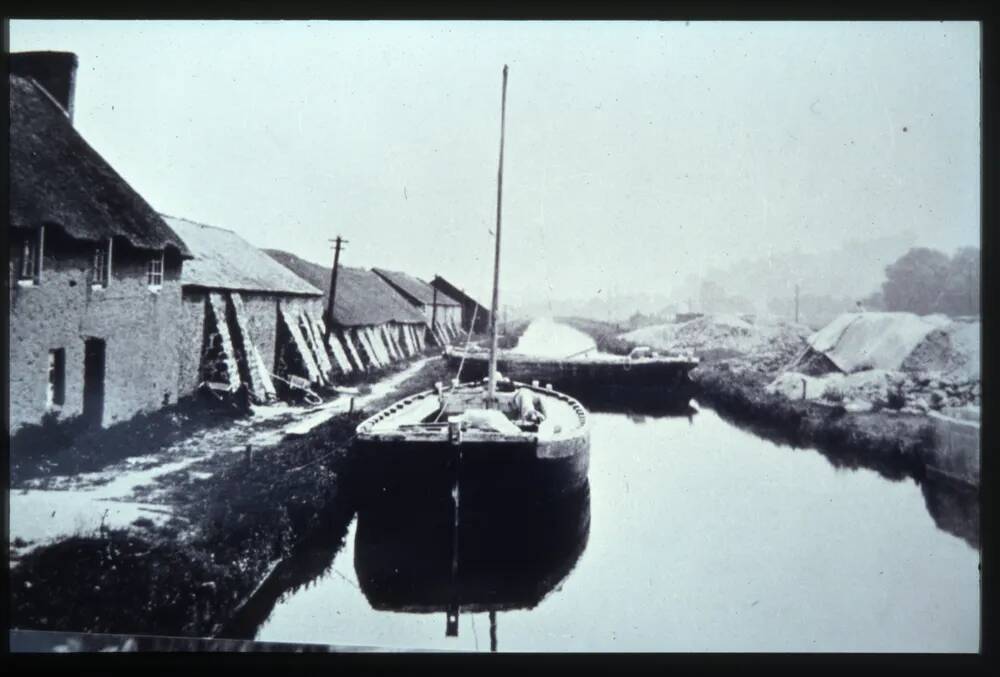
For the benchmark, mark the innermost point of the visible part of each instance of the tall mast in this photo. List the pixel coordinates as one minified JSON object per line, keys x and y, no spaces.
{"x":496,"y":261}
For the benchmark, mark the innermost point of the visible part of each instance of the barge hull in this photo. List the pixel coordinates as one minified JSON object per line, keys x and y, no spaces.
{"x":487,"y":472}
{"x":569,"y":374}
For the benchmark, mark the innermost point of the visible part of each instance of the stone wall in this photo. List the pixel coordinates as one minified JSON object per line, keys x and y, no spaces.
{"x":137,"y":323}
{"x":262,"y":320}
{"x":191,"y":341}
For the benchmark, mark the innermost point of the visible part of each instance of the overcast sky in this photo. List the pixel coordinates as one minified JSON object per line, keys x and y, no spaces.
{"x":637,"y":152}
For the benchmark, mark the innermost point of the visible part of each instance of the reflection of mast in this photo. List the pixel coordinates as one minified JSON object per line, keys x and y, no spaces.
{"x":451,"y":629}
{"x":493,"y":631}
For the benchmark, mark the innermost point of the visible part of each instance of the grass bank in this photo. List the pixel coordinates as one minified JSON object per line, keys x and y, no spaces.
{"x":894,"y":444}
{"x":234,"y":520}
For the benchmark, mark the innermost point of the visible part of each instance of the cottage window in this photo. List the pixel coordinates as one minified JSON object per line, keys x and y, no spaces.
{"x":154,"y":272}
{"x":30,"y":265}
{"x":101,"y":272}
{"x":57,"y":378}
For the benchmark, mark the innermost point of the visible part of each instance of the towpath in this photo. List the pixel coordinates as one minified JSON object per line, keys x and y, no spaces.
{"x":51,"y":508}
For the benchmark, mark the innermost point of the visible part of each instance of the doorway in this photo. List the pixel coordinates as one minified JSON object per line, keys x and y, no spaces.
{"x":93,"y":380}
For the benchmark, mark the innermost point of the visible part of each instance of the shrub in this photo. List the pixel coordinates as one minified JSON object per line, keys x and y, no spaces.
{"x":833,"y":394}
{"x":896,"y":399}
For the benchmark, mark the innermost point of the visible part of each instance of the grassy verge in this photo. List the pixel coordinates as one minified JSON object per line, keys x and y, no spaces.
{"x":894,"y":444}
{"x":71,"y":447}
{"x":228,"y":531}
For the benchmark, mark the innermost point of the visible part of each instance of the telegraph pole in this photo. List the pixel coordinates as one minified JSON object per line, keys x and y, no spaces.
{"x":434,"y":311}
{"x":796,"y":303}
{"x":338,"y":244}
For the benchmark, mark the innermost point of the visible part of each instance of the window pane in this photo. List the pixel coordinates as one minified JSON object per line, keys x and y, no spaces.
{"x":154,"y":272}
{"x":99,"y":274}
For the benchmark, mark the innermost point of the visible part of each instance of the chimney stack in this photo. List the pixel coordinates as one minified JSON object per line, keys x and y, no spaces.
{"x":55,"y":71}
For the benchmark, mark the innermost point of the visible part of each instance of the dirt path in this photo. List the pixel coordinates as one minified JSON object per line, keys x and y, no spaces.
{"x":55,"y":507}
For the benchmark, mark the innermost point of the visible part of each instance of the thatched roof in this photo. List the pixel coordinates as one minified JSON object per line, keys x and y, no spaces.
{"x":418,"y":290}
{"x":224,"y":260}
{"x":454,"y":292}
{"x":56,"y":178}
{"x":363,"y":298}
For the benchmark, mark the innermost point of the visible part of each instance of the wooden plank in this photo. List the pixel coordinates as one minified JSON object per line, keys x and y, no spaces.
{"x":339,"y":354}
{"x":316,"y":345}
{"x":351,"y":342}
{"x":378,"y":346}
{"x":301,"y":346}
{"x":217,"y":306}
{"x":261,"y":385}
{"x":390,"y":340}
{"x":362,"y":337}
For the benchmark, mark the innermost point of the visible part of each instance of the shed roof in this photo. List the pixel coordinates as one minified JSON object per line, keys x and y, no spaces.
{"x":873,"y":340}
{"x":419,"y":290}
{"x":224,"y":260}
{"x":57,"y":178}
{"x":454,"y":292}
{"x":363,"y":298}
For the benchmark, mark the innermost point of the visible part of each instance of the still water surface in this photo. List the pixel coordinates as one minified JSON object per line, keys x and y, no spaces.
{"x":696,"y":536}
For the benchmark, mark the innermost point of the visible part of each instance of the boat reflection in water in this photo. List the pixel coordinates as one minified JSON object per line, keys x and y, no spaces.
{"x":451,"y":555}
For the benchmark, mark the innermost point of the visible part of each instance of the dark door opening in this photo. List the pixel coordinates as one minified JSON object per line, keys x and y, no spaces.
{"x":93,"y":380}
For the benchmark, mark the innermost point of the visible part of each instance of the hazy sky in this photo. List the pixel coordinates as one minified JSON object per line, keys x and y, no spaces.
{"x":637,"y":152}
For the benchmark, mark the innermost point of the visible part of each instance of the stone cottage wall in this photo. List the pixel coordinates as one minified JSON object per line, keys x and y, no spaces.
{"x":138,"y":325}
{"x":262,"y":326}
{"x":262,"y":318}
{"x":190,"y":341}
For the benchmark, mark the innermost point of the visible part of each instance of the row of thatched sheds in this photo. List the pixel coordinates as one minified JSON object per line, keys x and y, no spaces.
{"x":372,"y":325}
{"x":116,"y":309}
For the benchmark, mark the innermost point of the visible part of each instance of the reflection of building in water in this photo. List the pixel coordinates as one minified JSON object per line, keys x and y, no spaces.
{"x":426,"y":559}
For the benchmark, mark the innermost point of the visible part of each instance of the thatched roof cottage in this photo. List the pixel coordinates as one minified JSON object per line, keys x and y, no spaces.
{"x":94,"y":271}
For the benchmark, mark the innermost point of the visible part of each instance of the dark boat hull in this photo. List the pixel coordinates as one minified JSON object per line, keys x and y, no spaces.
{"x":486,"y":472}
{"x":426,"y":557}
{"x":573,"y":375}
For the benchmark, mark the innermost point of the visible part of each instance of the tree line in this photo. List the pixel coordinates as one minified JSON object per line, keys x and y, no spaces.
{"x":926,"y":281}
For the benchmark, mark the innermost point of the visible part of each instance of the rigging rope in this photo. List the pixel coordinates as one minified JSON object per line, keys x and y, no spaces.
{"x":468,"y":342}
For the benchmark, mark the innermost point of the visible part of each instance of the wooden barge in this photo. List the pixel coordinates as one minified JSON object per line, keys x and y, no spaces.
{"x":581,"y":371}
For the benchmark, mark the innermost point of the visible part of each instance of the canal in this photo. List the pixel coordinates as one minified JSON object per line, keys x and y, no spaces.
{"x":694,"y":535}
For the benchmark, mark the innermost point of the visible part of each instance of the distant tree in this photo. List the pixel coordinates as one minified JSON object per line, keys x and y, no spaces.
{"x":960,"y":294}
{"x":916,"y":281}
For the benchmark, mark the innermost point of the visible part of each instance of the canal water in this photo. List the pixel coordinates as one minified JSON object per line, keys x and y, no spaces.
{"x":694,"y":535}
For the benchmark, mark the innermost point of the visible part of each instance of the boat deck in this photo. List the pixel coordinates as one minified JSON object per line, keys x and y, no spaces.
{"x":426,"y":416}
